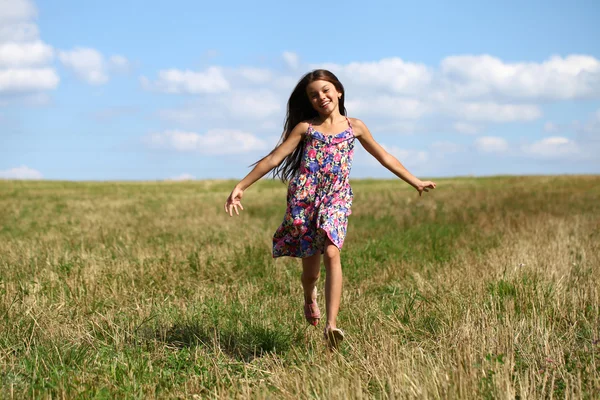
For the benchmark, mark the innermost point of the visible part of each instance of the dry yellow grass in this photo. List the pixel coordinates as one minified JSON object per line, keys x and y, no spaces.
{"x":484,"y":288}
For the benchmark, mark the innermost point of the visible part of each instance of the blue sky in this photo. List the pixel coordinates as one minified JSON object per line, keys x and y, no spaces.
{"x":141,"y":90}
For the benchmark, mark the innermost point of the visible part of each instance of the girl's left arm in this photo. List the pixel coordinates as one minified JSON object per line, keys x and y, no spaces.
{"x":365,"y":137}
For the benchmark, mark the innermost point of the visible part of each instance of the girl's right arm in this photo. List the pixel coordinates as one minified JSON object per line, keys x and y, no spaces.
{"x":264,"y":166}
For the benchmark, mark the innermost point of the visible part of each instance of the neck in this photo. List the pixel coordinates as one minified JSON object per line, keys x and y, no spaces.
{"x":331,"y":118}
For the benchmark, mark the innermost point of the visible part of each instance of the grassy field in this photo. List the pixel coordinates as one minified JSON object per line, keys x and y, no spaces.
{"x":484,"y":288}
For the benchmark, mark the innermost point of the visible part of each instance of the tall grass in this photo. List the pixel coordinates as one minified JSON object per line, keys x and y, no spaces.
{"x":484,"y":288}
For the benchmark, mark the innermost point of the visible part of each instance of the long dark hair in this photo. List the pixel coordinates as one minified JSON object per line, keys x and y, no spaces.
{"x":299,"y":109}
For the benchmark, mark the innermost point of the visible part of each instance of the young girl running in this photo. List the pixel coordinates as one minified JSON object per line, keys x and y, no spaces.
{"x":315,"y":155}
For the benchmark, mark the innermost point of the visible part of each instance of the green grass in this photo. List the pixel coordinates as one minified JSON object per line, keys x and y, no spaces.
{"x":483,"y":288}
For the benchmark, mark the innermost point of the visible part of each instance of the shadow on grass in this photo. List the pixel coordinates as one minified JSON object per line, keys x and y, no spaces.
{"x":244,"y":343}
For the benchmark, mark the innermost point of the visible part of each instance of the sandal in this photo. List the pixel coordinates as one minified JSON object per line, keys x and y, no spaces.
{"x":311,"y":310}
{"x":333,"y":336}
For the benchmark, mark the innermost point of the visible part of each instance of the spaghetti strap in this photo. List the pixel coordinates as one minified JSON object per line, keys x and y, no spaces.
{"x":309,"y":129}
{"x":349,"y":123}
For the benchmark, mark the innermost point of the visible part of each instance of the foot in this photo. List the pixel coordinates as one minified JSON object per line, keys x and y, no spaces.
{"x":311,"y":310}
{"x":333,"y":336}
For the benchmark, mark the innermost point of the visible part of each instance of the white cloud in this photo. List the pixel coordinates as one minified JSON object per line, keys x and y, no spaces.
{"x":575,"y":76}
{"x":406,"y":156}
{"x":255,"y":105}
{"x":589,"y":127}
{"x":182,"y":177}
{"x":552,"y":147}
{"x":91,"y":66}
{"x":18,"y":32}
{"x":291,"y":59}
{"x":214,"y":142}
{"x":255,"y":75}
{"x":25,"y":54}
{"x":16,"y":21}
{"x":477,"y":77}
{"x":176,"y":81}
{"x":17,"y":10}
{"x":28,"y":79}
{"x":551,"y":127}
{"x":25,"y":60}
{"x":119,"y":63}
{"x":488,"y":111}
{"x":22,"y":172}
{"x":468,"y":129}
{"x":396,"y":89}
{"x":585,"y":145}
{"x":87,"y":64}
{"x":491,"y":144}
{"x":470,"y":88}
{"x":388,"y":106}
{"x":392,"y":74}
{"x":398,"y":95}
{"x":232,"y":107}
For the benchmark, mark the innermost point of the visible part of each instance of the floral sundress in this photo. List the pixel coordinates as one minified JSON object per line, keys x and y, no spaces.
{"x":319,"y":197}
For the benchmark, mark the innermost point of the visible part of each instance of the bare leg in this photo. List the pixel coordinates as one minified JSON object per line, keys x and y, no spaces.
{"x":311,"y":268}
{"x":333,"y":282}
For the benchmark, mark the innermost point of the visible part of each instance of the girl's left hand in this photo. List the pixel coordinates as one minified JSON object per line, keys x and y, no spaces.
{"x":424,"y":186}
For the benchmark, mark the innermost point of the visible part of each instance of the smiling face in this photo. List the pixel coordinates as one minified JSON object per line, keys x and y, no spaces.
{"x":323,"y":96}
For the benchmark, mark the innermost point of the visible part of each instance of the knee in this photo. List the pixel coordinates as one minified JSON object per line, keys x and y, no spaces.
{"x":332,"y":252}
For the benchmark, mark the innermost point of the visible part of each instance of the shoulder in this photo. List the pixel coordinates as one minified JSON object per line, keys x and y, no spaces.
{"x":358,"y":126}
{"x":357,"y":122}
{"x":301,"y":128}
{"x":303,"y":125}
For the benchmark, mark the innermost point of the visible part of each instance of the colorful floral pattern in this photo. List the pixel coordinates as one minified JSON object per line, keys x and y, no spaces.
{"x":319,"y":197}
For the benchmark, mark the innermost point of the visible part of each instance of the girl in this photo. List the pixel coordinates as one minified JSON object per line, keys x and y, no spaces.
{"x":315,"y":156}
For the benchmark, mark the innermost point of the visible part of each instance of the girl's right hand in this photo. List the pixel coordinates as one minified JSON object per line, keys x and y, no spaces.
{"x":233,"y":201}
